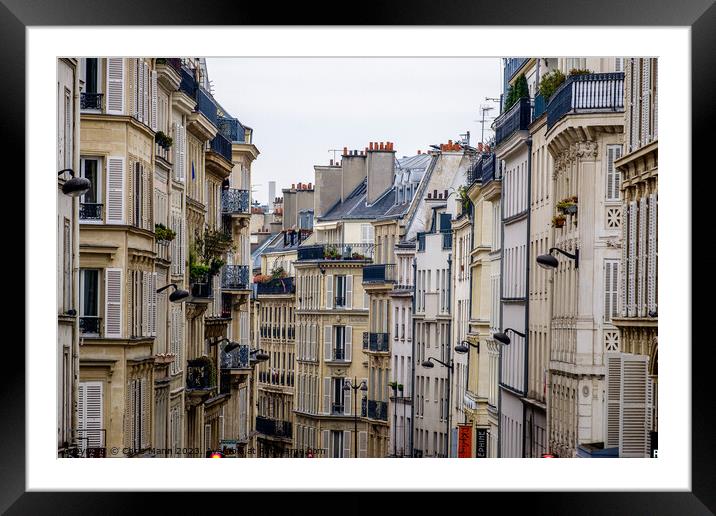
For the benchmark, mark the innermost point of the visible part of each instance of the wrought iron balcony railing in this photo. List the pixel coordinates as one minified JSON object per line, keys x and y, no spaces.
{"x":91,"y":100}
{"x":235,"y":201}
{"x":91,"y":211}
{"x":512,"y":65}
{"x":200,"y":374}
{"x":90,"y":325}
{"x":235,"y":277}
{"x":273,"y":427}
{"x":378,"y":410}
{"x":206,"y":106}
{"x":236,"y":358}
{"x":381,"y":273}
{"x":232,"y":129}
{"x":375,"y":341}
{"x":188,"y":83}
{"x":517,"y":118}
{"x":339,"y":353}
{"x":447,"y":238}
{"x":221,"y":145}
{"x":585,"y":93}
{"x":276,"y":286}
{"x":539,"y":107}
{"x":339,"y":301}
{"x":337,"y":408}
{"x":336,"y":252}
{"x":201,"y":287}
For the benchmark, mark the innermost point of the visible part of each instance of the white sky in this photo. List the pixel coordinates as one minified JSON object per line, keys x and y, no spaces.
{"x":299,"y":108}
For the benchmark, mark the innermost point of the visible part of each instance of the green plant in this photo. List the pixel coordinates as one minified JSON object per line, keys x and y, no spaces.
{"x":207,"y":363}
{"x":215,"y":265}
{"x":358,"y":256}
{"x":163,"y":140}
{"x":393,"y":385}
{"x":198,"y":271}
{"x":331,"y":252}
{"x":464,"y":199}
{"x":212,"y":244}
{"x":550,"y":82}
{"x":579,"y":71}
{"x":161,"y":232}
{"x":161,"y":60}
{"x":517,"y":91}
{"x":278,"y":272}
{"x":558,"y":221}
{"x":400,"y":387}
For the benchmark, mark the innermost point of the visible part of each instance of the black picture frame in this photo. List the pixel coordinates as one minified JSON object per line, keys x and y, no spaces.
{"x":699,"y":15}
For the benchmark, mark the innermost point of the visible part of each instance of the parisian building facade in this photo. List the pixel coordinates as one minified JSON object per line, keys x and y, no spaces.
{"x":497,"y":300}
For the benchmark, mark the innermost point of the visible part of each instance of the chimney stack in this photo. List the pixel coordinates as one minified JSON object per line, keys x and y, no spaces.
{"x":345,"y":150}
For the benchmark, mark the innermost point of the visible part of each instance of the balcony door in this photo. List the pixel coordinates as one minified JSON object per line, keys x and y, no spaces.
{"x":89,"y":301}
{"x":340,"y":291}
{"x":90,"y":73}
{"x":91,"y":202}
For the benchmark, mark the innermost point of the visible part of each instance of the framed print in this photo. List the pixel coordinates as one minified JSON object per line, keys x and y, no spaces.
{"x":369,"y":240}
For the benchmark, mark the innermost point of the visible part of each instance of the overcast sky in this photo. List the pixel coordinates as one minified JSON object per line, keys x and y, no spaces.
{"x":299,"y":108}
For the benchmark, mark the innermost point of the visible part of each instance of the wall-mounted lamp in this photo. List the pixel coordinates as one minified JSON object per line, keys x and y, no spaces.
{"x":465,"y":345}
{"x":503,"y":338}
{"x":547,"y":261}
{"x":76,"y":186}
{"x":177,"y":296}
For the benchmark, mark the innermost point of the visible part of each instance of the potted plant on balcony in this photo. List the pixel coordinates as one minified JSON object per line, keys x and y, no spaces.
{"x":517,"y":91}
{"x":400,"y":387}
{"x":550,"y":82}
{"x":331,"y":253}
{"x":164,"y":141}
{"x":579,"y":71}
{"x":215,"y":265}
{"x":558,"y":221}
{"x":567,"y":206}
{"x":163,"y":233}
{"x":262,"y":278}
{"x":358,"y":256}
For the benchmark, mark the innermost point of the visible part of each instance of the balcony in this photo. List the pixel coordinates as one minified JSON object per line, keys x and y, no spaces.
{"x":274,"y":427}
{"x":90,"y":325}
{"x":587,"y":93}
{"x":236,"y":358}
{"x":382,"y":273}
{"x":221,"y":145}
{"x":206,"y":106}
{"x":337,"y":409}
{"x":539,"y":107}
{"x":447,"y":238}
{"x":377,"y":342}
{"x":235,"y":277}
{"x":339,"y":301}
{"x":490,"y":170}
{"x":378,"y":410}
{"x":232,"y":129}
{"x":201,"y":288}
{"x":163,"y":249}
{"x":512,"y":65}
{"x":517,"y":118}
{"x":235,"y":201}
{"x":200,"y":374}
{"x":91,"y":101}
{"x":188,"y":83}
{"x":91,"y":211}
{"x":336,"y":252}
{"x":276,"y":287}
{"x":339,"y":354}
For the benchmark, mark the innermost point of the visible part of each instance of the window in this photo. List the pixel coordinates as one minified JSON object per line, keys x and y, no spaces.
{"x":611,"y":281}
{"x":367,"y":233}
{"x":67,"y":265}
{"x":90,"y":411}
{"x":339,"y":351}
{"x":89,"y":301}
{"x":336,"y":443}
{"x":91,"y":72}
{"x":337,"y":397}
{"x":340,"y":291}
{"x":614,"y":177}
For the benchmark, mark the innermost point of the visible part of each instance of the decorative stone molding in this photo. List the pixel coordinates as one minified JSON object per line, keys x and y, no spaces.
{"x":586,"y":150}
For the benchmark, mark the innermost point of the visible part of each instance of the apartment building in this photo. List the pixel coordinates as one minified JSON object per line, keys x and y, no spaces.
{"x":585,"y":130}
{"x":71,"y":402}
{"x":632,"y":356}
{"x":482,"y":397}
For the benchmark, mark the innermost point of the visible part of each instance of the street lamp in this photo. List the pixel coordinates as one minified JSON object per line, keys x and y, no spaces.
{"x":429,"y":365}
{"x":547,"y":261}
{"x":347,"y":386}
{"x":229,"y":347}
{"x":465,"y":345}
{"x":177,"y":296}
{"x":259,"y":355}
{"x":503,"y":338}
{"x":75,"y":187}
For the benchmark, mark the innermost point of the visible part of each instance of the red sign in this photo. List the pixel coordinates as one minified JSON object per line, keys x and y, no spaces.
{"x":464,"y":441}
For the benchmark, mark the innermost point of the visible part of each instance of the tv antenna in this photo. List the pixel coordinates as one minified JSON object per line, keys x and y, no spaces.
{"x":334,"y":154}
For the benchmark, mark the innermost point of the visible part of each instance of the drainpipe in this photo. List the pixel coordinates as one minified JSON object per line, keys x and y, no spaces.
{"x":502,"y":277}
{"x":449,"y":359}
{"x":76,"y":261}
{"x":527,"y":284}
{"x":412,"y":361}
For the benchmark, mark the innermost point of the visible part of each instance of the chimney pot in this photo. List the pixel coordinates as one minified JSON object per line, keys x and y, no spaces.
{"x":446,"y":194}
{"x":435,"y":193}
{"x":381,"y":145}
{"x":371,"y":145}
{"x":345,"y":150}
{"x":331,"y":162}
{"x":309,"y":186}
{"x":293,"y":186}
{"x":429,"y":195}
{"x":418,"y":151}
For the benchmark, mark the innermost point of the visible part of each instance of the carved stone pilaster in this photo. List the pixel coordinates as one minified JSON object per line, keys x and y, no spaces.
{"x":585,"y":150}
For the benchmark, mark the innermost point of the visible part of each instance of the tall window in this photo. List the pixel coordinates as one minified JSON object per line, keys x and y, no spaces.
{"x":340,"y":290}
{"x":339,"y":349}
{"x":91,"y":202}
{"x":66,"y":265}
{"x":89,"y":301}
{"x":337,"y":397}
{"x":91,"y":73}
{"x":336,"y":443}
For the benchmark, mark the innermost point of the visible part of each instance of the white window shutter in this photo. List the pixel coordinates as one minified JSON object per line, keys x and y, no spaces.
{"x":327,"y":343}
{"x":153,"y":304}
{"x":207,"y":437}
{"x":624,"y":262}
{"x":347,"y":401}
{"x":142,"y":91}
{"x":115,"y":86}
{"x":633,"y":429}
{"x":611,"y":275}
{"x":641,"y":266}
{"x":115,"y":190}
{"x":325,"y":435}
{"x":145,"y":331}
{"x":613,"y":398}
{"x":346,"y":444}
{"x":113,"y":303}
{"x":154,"y":100}
{"x":349,"y":291}
{"x":329,"y":291}
{"x":631,"y":291}
{"x":645,"y":103}
{"x":90,"y":414}
{"x":348,"y":343}
{"x":362,"y":445}
{"x":651,"y":260}
{"x":146,"y":419}
{"x":326,"y":395}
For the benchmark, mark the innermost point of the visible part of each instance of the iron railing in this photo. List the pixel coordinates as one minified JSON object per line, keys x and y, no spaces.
{"x":375,"y":341}
{"x":91,"y":211}
{"x":337,"y":408}
{"x":173,"y":62}
{"x":237,"y":358}
{"x":517,"y":118}
{"x":232,"y":129}
{"x":235,"y":277}
{"x":594,"y":92}
{"x":206,"y":105}
{"x":539,"y":107}
{"x":221,"y":145}
{"x":200,"y":374}
{"x":234,"y":200}
{"x":188,"y":84}
{"x":91,"y":100}
{"x":381,"y":273}
{"x":339,"y":353}
{"x":336,"y":252}
{"x":273,"y":427}
{"x":90,"y":325}
{"x":447,"y":238}
{"x":490,"y":169}
{"x":512,"y":65}
{"x":276,"y":286}
{"x":378,"y":410}
{"x":339,"y":301}
{"x":201,"y":287}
